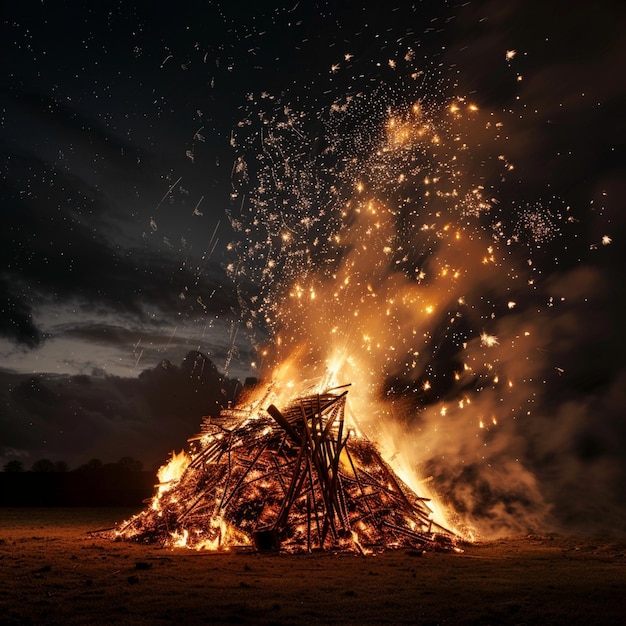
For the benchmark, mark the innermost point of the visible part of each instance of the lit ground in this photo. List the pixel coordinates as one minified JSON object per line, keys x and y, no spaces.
{"x":53,"y":572}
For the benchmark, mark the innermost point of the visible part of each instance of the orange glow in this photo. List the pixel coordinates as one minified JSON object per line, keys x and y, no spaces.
{"x":171,"y":472}
{"x":406,"y":274}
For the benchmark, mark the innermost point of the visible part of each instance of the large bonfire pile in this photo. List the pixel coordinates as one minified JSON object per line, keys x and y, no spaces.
{"x":295,"y":479}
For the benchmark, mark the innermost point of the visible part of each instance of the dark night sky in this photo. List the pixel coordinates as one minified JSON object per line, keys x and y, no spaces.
{"x":116,"y":167}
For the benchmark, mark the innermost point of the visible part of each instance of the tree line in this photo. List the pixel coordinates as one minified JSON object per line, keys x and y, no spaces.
{"x":50,"y":483}
{"x":94,"y":465}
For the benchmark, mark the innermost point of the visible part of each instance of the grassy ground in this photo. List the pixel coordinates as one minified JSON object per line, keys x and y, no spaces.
{"x":52,"y":571}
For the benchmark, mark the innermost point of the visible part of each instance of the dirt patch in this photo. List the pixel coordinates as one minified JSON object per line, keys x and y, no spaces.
{"x":53,"y":571}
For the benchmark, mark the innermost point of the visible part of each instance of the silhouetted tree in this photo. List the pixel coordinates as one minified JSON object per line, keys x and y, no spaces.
{"x":61,"y":466}
{"x":95,"y":465}
{"x":43,"y":465}
{"x":132,"y":465}
{"x":14,"y":466}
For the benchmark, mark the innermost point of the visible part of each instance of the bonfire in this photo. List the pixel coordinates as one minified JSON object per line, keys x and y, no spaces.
{"x":295,"y":479}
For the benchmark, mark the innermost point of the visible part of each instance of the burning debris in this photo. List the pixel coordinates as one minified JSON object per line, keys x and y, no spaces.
{"x":295,"y":479}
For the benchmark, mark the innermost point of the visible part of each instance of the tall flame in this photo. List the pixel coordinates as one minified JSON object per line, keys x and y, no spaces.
{"x":169,"y":473}
{"x":376,"y":262}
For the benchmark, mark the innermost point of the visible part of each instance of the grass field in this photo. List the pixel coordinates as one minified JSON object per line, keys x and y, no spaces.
{"x":53,"y":571}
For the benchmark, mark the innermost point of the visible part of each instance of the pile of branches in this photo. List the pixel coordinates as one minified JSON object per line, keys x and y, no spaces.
{"x":293,"y":479}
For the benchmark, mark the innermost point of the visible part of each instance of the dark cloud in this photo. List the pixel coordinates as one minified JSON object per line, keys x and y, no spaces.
{"x":94,"y":219}
{"x":16,"y":321}
{"x":57,"y":247}
{"x":76,"y":418}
